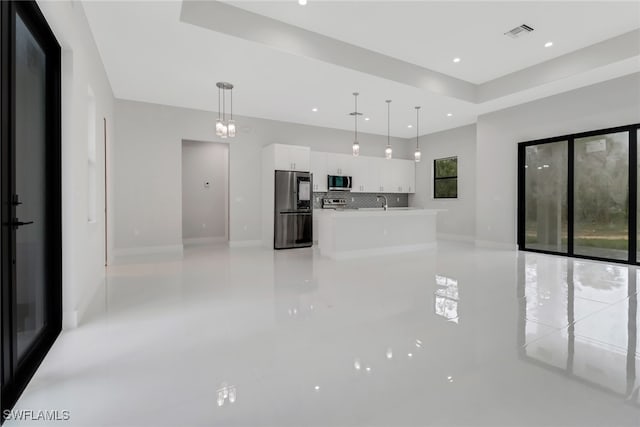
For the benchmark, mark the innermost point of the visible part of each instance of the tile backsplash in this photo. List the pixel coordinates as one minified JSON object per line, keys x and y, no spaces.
{"x":362,"y":200}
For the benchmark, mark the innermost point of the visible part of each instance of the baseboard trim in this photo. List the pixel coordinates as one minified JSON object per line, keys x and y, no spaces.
{"x":195,"y":241}
{"x":71,"y":319}
{"x":455,"y":237}
{"x":244,"y":243}
{"x":363,"y":253}
{"x":149,"y":250}
{"x":488,"y":244}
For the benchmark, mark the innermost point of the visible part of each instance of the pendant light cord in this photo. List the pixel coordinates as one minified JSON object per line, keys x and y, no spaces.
{"x":388,"y":123}
{"x":218,"y":102}
{"x":355,"y":116}
{"x":231,"y":104}
{"x":417,"y":127}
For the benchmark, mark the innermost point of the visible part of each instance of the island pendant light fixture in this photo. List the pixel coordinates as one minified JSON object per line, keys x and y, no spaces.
{"x":388,"y":152}
{"x":225,"y":128}
{"x":417,"y":154}
{"x":355,"y":148}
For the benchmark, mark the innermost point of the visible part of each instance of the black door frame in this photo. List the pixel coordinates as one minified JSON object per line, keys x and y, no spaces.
{"x":632,"y":197}
{"x":16,"y":374}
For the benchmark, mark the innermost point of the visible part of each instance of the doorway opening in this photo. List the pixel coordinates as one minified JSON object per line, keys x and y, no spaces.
{"x":205,"y":192}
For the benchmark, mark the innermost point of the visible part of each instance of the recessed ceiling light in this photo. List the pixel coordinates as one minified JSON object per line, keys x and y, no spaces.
{"x":449,"y":114}
{"x":366,"y":119}
{"x":409,"y":126}
{"x":302,"y":2}
{"x":548,"y":44}
{"x":456,"y":60}
{"x":314,"y":109}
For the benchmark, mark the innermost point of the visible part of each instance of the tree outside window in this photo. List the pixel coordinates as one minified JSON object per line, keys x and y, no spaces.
{"x":445,"y":178}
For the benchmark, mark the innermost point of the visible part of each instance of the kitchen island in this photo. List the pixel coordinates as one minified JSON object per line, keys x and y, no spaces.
{"x":355,"y":233}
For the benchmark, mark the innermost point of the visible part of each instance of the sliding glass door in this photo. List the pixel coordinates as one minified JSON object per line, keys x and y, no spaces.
{"x":577,"y":195}
{"x":546,"y":196}
{"x":601,"y":196}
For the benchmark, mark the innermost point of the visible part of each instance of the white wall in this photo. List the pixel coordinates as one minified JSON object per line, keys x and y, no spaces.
{"x":204,"y":207}
{"x":148,"y":188}
{"x":609,"y":104}
{"x":82,"y":242}
{"x":459,"y":220}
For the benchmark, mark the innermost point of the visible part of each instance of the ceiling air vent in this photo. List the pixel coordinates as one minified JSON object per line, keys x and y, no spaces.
{"x":519,"y":31}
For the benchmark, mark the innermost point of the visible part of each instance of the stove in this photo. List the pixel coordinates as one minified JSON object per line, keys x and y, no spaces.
{"x":331,"y":203}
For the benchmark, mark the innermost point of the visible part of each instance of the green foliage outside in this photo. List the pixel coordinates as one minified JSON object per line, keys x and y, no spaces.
{"x":601,"y":192}
{"x":446,"y":188}
{"x":448,"y":169}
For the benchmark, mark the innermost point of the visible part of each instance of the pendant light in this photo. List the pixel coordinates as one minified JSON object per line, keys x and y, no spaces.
{"x":388,"y":152}
{"x":355,"y":148}
{"x":417,"y":154}
{"x":225,"y":128}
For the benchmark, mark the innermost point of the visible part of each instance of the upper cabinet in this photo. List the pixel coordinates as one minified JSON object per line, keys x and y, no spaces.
{"x":292,"y":157}
{"x":369,"y":174}
{"x":364,"y":174}
{"x":410,"y":176}
{"x":340,"y":164}
{"x":319,"y":171}
{"x":401,"y":177}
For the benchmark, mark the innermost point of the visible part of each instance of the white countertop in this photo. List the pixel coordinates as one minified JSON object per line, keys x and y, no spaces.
{"x":380,"y":212}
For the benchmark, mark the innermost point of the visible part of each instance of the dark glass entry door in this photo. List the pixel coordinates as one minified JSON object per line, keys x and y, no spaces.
{"x":30,"y":194}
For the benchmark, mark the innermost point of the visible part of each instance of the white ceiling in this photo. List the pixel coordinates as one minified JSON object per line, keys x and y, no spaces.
{"x":431,"y":34}
{"x":151,"y":56}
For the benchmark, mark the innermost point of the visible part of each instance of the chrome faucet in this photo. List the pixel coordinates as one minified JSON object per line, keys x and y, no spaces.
{"x":386,"y":203}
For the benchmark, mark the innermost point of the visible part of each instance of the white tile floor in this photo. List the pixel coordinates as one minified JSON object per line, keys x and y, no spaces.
{"x":453,"y":336}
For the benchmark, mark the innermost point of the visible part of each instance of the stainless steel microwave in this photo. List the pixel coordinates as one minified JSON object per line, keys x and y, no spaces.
{"x":339,"y":183}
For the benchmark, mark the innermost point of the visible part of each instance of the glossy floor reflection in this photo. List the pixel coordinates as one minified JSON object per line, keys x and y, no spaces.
{"x":453,"y":336}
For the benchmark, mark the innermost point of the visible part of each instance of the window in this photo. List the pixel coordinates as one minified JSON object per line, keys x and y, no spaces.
{"x":445,"y":178}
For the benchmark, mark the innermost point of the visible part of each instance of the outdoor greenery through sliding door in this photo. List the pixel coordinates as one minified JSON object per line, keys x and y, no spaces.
{"x":577,"y":195}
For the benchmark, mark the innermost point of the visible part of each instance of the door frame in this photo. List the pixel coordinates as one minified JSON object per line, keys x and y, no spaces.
{"x":15,"y":375}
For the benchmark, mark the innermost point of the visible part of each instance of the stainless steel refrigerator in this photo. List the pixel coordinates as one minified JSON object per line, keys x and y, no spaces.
{"x":293,"y":216}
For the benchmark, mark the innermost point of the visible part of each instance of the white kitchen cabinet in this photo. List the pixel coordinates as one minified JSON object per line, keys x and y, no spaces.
{"x":410,"y":176}
{"x":340,"y":164}
{"x":386,"y":175}
{"x":292,"y":157}
{"x":319,"y":171}
{"x":370,"y":174}
{"x":403,"y":176}
{"x":364,"y":178}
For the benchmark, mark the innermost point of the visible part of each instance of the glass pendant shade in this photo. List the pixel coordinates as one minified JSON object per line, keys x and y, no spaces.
{"x":356,"y":148}
{"x":388,"y":152}
{"x":417,"y":155}
{"x":225,"y":128}
{"x":231,"y":128}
